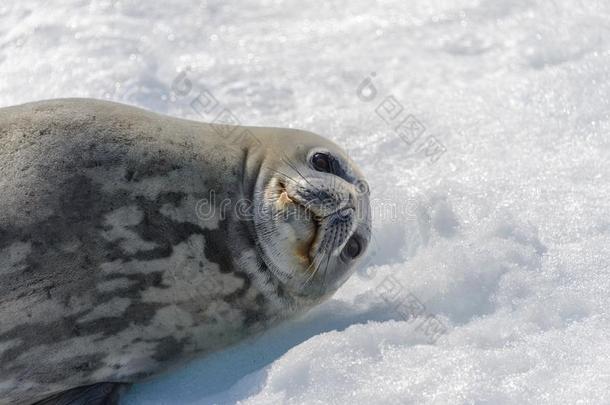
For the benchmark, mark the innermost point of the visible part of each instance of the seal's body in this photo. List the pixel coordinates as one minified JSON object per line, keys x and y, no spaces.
{"x":132,"y":241}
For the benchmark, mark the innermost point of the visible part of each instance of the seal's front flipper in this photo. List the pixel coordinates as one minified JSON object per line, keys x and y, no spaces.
{"x":96,"y":394}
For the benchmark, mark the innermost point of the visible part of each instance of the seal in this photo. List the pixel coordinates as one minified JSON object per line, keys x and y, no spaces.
{"x":131,"y":242}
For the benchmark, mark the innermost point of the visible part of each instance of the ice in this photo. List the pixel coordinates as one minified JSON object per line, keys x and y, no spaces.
{"x":501,"y":246}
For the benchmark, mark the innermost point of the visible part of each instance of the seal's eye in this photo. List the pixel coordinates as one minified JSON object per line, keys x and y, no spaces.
{"x":352,"y":248}
{"x":321,"y":162}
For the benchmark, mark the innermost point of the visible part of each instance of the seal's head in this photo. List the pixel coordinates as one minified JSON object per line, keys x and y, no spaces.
{"x":312,"y":212}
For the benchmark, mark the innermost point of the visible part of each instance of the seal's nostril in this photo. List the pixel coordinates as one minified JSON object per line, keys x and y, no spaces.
{"x":324,"y":196}
{"x":362,"y":187}
{"x":345,"y":212}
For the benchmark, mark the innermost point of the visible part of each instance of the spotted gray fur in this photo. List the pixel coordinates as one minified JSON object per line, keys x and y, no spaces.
{"x":107,"y":274}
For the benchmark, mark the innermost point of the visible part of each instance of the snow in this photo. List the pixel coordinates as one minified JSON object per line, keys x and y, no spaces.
{"x":501,"y":244}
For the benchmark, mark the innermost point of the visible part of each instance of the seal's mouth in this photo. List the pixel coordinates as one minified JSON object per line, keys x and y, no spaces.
{"x":304,"y":222}
{"x":303,"y":230}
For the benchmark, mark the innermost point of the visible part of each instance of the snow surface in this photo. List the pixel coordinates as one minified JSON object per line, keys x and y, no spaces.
{"x":505,"y":239}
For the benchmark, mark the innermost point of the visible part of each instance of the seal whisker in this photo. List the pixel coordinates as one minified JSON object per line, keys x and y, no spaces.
{"x":313,"y":273}
{"x":368,"y":229}
{"x":283,"y":174}
{"x":324,"y":252}
{"x":293,"y":166}
{"x":318,"y":259}
{"x":326,"y":271}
